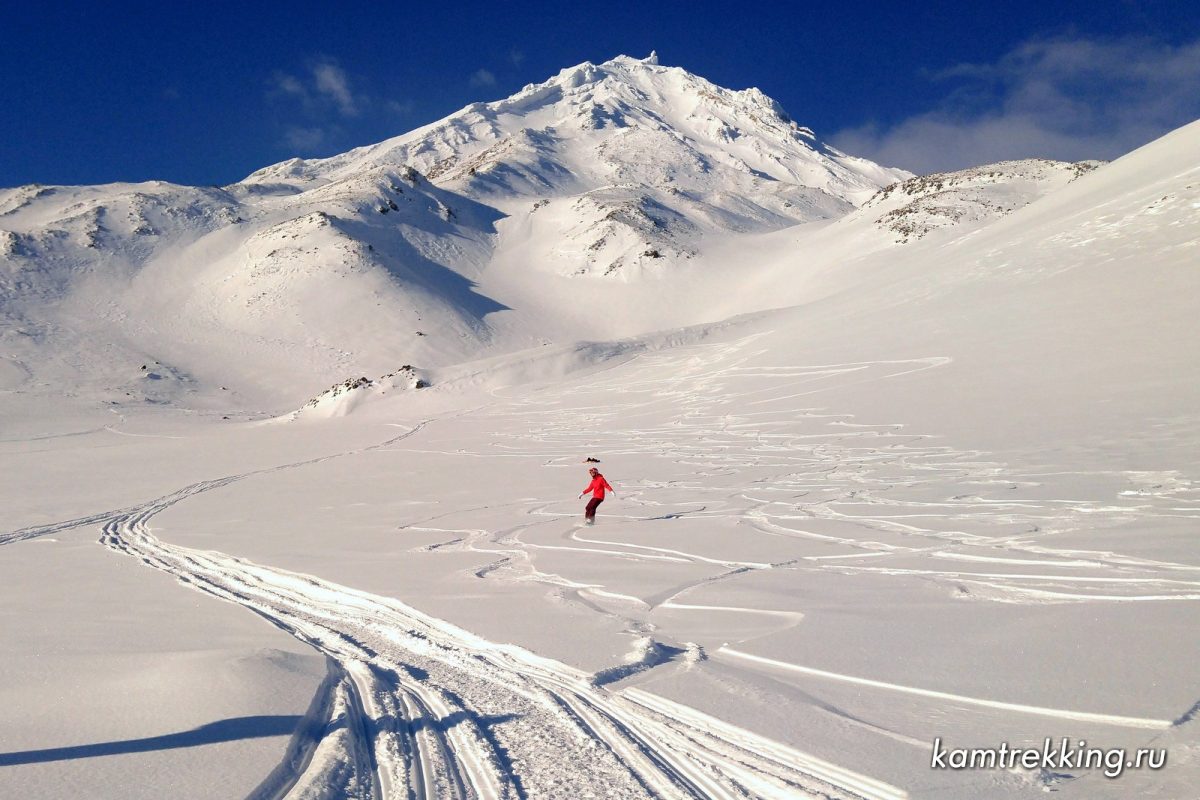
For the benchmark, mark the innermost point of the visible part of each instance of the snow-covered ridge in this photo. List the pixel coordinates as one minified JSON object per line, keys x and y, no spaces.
{"x":248,"y":285}
{"x":635,"y":141}
{"x":925,"y":203}
{"x":341,"y":398}
{"x":744,"y":130}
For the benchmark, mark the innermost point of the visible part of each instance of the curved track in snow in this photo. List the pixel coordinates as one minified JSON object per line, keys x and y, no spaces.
{"x":429,"y":710}
{"x":420,"y":708}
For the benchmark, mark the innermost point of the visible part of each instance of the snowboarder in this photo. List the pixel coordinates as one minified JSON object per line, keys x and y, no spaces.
{"x":596,"y":488}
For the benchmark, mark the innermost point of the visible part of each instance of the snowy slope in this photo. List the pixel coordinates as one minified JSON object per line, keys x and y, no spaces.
{"x":360,"y":263}
{"x":873,"y":487}
{"x":240,"y":288}
{"x":915,"y":207}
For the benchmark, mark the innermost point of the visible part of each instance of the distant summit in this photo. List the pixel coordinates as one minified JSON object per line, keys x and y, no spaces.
{"x":633,"y":161}
{"x":719,"y":129}
{"x":583,"y":207}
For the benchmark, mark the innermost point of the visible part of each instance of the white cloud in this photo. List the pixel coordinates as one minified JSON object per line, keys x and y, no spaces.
{"x":282,"y":83}
{"x":320,"y":106}
{"x":1064,"y":98}
{"x":330,"y":81}
{"x":325,"y":86}
{"x":303,"y":140}
{"x":483,"y":77}
{"x":399,"y":108}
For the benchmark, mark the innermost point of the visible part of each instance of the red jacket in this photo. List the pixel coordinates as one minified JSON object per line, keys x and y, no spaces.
{"x":597,"y":487}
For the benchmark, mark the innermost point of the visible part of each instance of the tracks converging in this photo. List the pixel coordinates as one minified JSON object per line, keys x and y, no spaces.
{"x":416,"y":707}
{"x":427,"y":710}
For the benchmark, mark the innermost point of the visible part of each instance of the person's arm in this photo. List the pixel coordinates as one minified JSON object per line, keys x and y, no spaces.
{"x":606,"y":483}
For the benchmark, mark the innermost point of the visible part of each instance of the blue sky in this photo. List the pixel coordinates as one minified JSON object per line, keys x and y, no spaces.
{"x":205,"y":93}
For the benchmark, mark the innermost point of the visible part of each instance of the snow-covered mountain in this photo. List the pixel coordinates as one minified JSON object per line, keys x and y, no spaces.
{"x":632,"y":161}
{"x":610,"y":201}
{"x":404,"y":251}
{"x":910,"y":459}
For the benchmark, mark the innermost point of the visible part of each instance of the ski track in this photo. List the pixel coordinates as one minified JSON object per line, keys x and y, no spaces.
{"x":841,"y":481}
{"x":428,"y":710}
{"x":1058,"y":713}
{"x":37,"y":531}
{"x":422,"y":709}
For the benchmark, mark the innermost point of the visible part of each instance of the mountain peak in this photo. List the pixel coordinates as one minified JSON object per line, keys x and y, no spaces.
{"x":650,"y":60}
{"x":626,"y":119}
{"x":646,"y":157}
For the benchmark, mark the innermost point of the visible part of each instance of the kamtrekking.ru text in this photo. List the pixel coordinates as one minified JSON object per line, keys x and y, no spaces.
{"x":1050,"y":756}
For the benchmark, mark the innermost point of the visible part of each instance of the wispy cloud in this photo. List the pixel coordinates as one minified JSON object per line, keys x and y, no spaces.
{"x":303,"y":139}
{"x":331,"y":82}
{"x":398,"y":108}
{"x":282,"y":83}
{"x":326,"y":85}
{"x":1062,"y":98}
{"x":483,"y":77}
{"x":320,"y":107}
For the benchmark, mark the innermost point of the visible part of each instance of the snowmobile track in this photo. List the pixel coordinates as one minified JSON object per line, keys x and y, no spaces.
{"x":433,"y":711}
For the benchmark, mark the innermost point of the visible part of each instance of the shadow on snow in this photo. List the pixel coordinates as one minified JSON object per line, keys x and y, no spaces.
{"x":226,"y":730}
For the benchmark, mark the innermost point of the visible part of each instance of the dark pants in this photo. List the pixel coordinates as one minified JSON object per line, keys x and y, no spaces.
{"x":590,"y":513}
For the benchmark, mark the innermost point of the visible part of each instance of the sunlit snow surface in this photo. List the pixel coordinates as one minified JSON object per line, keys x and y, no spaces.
{"x":882,"y":494}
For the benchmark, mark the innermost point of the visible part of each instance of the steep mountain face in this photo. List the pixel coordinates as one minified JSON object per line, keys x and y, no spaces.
{"x":628,"y":164}
{"x":578,"y":123}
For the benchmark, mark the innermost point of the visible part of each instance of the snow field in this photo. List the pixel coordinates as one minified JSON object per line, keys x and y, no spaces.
{"x":868,"y":493}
